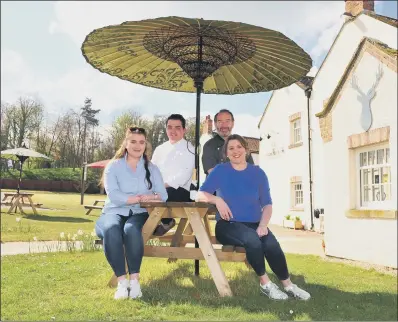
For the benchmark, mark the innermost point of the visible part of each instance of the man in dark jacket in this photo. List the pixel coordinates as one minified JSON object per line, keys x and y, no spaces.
{"x":212,"y":150}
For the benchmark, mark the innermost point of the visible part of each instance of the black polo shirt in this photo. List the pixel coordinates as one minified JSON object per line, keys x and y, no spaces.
{"x":212,"y":153}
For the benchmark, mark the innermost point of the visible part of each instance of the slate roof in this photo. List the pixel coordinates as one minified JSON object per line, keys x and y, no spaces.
{"x":253,"y":143}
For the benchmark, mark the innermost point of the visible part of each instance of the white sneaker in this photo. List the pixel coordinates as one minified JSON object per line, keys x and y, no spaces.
{"x":122,"y":291}
{"x":273,"y":292}
{"x":297,"y":292}
{"x":135,"y":289}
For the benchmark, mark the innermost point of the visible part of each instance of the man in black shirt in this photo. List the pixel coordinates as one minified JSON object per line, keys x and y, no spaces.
{"x":212,"y":150}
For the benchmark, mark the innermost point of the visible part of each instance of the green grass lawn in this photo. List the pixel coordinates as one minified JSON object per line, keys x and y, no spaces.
{"x":65,"y":214}
{"x":72,"y":286}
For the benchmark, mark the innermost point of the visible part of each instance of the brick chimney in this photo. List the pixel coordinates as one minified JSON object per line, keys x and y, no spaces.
{"x":207,"y":125}
{"x":353,"y":7}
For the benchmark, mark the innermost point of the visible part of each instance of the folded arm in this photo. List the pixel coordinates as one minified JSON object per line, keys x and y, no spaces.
{"x":111,"y":186}
{"x":158,"y":184}
{"x":184,"y":174}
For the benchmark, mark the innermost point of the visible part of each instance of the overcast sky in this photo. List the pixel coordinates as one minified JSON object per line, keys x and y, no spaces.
{"x":41,"y":55}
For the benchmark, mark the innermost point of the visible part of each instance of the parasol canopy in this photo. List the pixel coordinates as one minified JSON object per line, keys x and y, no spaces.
{"x":22,"y":154}
{"x":175,"y":53}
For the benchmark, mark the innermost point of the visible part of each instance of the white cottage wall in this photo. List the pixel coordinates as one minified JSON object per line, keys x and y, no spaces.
{"x":370,"y":240}
{"x":327,"y":78}
{"x":285,"y":163}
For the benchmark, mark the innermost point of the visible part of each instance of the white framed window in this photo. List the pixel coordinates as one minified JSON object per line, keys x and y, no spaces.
{"x":374,"y":176}
{"x":296,"y":131}
{"x":298,"y":194}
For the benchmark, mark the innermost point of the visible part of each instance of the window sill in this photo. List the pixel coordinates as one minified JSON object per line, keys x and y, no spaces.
{"x":375,"y":214}
{"x":295,"y":145}
{"x":297,"y":209}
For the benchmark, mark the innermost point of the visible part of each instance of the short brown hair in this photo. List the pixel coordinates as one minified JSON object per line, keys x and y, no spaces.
{"x":237,"y":137}
{"x":224,"y":111}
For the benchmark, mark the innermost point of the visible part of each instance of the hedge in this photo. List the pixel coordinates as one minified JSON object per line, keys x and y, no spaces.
{"x":55,"y":174}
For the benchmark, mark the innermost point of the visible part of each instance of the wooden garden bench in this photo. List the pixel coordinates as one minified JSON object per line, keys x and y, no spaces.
{"x":193,"y":223}
{"x":93,"y":206}
{"x":16,"y":201}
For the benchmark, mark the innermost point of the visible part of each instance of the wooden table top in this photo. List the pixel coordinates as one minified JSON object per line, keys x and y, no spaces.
{"x":16,"y":194}
{"x":174,"y":204}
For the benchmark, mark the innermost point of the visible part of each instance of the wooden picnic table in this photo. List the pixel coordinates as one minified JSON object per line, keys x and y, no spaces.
{"x":16,"y":200}
{"x":193,"y":223}
{"x":90,"y":208}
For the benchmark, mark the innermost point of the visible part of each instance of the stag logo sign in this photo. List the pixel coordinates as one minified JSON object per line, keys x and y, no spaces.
{"x":366,"y":98}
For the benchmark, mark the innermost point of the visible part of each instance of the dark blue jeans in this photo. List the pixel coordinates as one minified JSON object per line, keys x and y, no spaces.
{"x":117,"y":231}
{"x":244,"y":235}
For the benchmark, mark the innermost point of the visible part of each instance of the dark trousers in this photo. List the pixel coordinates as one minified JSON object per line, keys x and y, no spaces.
{"x":245,"y":235}
{"x":117,"y":231}
{"x":179,"y":194}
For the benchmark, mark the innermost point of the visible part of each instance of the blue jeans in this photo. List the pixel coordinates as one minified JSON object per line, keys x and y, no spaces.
{"x":244,"y":234}
{"x":117,"y":231}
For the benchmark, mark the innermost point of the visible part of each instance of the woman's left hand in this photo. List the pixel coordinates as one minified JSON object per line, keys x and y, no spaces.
{"x":262,"y":231}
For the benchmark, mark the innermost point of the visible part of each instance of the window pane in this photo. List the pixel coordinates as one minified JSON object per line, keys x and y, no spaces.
{"x":363,"y":159}
{"x":375,"y":193}
{"x":385,"y":175}
{"x":297,"y":135}
{"x":366,"y":190}
{"x":386,"y":192}
{"x":376,"y":175}
{"x":366,"y":176}
{"x":387,"y":155}
{"x":371,"y":157}
{"x":380,"y":156}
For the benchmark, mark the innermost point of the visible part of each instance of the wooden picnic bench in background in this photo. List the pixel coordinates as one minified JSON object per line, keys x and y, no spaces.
{"x":93,"y":206}
{"x":193,"y":223}
{"x":16,"y":200}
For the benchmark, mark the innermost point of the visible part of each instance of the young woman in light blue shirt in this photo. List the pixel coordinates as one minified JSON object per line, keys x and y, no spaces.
{"x":128,"y":180}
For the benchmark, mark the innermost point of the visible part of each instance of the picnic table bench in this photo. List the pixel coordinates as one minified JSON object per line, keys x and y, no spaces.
{"x":93,"y":206}
{"x":193,"y":223}
{"x":16,"y":200}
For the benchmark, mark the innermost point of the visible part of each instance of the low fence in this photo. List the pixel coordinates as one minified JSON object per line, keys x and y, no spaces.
{"x":48,"y":185}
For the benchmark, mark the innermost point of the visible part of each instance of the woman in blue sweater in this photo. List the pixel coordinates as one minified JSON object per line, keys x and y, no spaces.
{"x":244,"y":207}
{"x":128,"y":180}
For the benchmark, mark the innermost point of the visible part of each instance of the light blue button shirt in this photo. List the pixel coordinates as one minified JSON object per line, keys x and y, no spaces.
{"x":121,"y":182}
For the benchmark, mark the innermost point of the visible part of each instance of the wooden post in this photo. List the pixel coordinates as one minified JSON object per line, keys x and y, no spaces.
{"x":208,"y":252}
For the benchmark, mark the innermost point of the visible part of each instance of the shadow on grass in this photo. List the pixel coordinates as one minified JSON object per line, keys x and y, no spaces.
{"x":326,"y":303}
{"x":57,"y":218}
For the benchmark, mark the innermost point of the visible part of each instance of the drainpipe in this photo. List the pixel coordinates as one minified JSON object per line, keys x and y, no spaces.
{"x":308,"y":95}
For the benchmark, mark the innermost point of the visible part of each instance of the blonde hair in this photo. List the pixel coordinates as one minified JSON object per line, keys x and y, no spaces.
{"x":120,"y":153}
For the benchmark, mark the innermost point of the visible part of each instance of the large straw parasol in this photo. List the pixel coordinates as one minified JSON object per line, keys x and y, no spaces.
{"x":22,"y":154}
{"x":197,"y":56}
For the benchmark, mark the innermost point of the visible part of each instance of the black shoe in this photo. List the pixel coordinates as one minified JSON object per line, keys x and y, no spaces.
{"x":162,"y":228}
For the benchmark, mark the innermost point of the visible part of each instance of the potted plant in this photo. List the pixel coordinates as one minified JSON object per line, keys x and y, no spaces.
{"x":293,"y":222}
